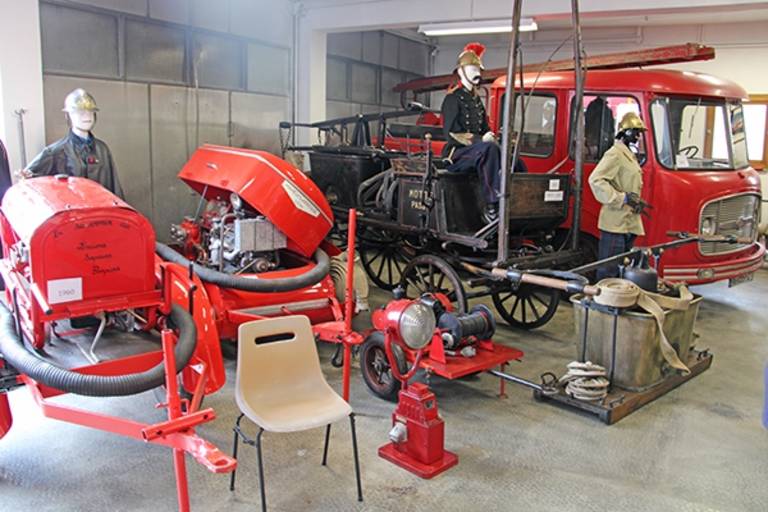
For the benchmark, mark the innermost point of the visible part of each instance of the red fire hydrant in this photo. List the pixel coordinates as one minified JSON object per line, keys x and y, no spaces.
{"x":417,"y":435}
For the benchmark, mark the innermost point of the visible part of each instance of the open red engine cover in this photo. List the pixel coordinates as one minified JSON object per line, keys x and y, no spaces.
{"x":279,"y":191}
{"x":82,"y":243}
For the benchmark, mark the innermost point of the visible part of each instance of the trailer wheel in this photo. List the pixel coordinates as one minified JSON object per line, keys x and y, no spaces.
{"x":528,"y":307}
{"x":375,"y":368}
{"x":382,"y":256}
{"x":432,"y":274}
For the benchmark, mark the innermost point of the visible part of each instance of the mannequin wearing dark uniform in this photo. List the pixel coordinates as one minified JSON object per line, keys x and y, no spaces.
{"x":471,"y":146}
{"x":79,"y":153}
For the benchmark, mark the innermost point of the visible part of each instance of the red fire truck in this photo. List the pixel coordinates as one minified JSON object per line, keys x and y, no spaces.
{"x":696,"y":173}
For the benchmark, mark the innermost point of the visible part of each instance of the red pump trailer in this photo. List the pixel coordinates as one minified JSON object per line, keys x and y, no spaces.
{"x":72,"y":249}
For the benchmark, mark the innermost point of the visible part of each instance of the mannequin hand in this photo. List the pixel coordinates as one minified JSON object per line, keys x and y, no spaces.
{"x":23,"y":174}
{"x":489,"y":137}
{"x":465,"y":139}
{"x":636,"y":203}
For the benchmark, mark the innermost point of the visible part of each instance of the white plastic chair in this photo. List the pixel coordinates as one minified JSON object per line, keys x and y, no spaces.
{"x":281,"y":388}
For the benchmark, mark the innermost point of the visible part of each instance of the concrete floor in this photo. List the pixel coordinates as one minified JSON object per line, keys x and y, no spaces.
{"x":701,"y":447}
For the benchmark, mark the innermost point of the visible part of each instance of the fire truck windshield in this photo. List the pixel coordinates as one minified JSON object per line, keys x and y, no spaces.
{"x":699,"y":133}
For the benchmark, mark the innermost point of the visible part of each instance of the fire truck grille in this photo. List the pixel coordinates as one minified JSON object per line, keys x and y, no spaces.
{"x":736,"y":215}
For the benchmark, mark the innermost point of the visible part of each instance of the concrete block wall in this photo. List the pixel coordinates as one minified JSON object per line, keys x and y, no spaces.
{"x":141,"y":60}
{"x":362,"y":68}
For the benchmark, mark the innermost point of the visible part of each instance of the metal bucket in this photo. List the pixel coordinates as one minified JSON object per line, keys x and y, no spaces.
{"x":626,"y":342}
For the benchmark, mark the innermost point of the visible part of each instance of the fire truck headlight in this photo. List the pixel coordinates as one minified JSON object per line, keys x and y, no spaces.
{"x":708,"y":226}
{"x":417,"y":325}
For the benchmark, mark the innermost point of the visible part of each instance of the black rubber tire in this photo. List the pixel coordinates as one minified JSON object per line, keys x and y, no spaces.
{"x":375,"y":368}
{"x":427,"y":274}
{"x":229,"y":350}
{"x":528,"y":307}
{"x":382,"y":256}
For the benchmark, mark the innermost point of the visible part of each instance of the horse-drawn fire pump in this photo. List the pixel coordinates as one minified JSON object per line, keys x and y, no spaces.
{"x":79,"y":262}
{"x":421,"y":229}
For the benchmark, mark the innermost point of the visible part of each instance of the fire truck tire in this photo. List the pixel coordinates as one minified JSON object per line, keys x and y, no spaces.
{"x":286,"y":284}
{"x":376,"y":369}
{"x":44,"y":372}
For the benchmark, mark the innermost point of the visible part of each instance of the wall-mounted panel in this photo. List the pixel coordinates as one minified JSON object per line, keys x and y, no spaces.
{"x":154,"y":52}
{"x":255,"y":120}
{"x":138,"y":7}
{"x":364,"y":81}
{"x":265,"y":20}
{"x":413,"y":56}
{"x":269,"y":69}
{"x":176,"y":11}
{"x":346,"y":44}
{"x":389,"y":51}
{"x":336,"y":79}
{"x":174,"y":140}
{"x":123,"y":123}
{"x":335,"y":109}
{"x":389,"y":79}
{"x":372,"y":47}
{"x":209,"y":15}
{"x":65,"y":47}
{"x":219,"y":61}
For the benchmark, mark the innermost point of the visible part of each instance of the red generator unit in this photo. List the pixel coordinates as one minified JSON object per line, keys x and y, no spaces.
{"x":76,"y":257}
{"x":256,"y":244}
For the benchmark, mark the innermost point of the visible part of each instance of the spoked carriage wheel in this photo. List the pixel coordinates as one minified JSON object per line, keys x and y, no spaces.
{"x":381,"y":254}
{"x":528,"y":307}
{"x":431,"y":274}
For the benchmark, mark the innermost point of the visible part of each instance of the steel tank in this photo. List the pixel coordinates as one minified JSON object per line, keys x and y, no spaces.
{"x":634,"y":360}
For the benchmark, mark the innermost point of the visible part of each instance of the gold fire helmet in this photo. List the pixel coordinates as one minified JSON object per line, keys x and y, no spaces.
{"x":631,"y":121}
{"x":471,"y":56}
{"x":79,"y":99}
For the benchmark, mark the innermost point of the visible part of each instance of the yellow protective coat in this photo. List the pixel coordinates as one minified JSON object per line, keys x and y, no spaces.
{"x":616,"y":174}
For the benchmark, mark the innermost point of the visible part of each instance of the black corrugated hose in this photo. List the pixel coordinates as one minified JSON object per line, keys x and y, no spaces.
{"x":249,"y":284}
{"x":19,"y":356}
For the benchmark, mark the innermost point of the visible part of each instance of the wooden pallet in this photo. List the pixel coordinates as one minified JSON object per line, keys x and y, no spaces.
{"x":620,"y":402}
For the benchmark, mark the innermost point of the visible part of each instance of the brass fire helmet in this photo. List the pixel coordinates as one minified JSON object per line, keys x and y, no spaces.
{"x":631,"y":121}
{"x":79,"y":99}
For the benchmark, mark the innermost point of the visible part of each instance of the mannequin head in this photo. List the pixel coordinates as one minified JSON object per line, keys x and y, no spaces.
{"x":469,"y":66}
{"x":81,"y":112}
{"x":630,"y":128}
{"x":470,"y":76}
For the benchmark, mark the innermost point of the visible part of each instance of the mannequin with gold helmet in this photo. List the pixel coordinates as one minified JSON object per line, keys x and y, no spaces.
{"x":79,"y":153}
{"x":617,"y":182}
{"x":470,"y":144}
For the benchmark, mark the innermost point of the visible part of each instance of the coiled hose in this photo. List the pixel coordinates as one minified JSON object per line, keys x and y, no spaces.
{"x":16,"y":353}
{"x":250,"y":284}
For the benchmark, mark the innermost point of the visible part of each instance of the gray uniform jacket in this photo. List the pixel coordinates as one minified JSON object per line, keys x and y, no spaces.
{"x":72,"y":157}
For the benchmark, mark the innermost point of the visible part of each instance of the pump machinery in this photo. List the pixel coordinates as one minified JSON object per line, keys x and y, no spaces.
{"x":77,"y":259}
{"x":257,"y":242}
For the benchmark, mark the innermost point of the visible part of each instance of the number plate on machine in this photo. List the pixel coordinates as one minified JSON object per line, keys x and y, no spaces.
{"x":744,"y":278}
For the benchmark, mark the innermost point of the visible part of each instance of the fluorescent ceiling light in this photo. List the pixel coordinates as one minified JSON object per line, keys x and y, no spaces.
{"x":476,"y":27}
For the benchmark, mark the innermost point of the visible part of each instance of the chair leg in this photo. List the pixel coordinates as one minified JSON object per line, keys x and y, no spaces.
{"x":325,"y":448}
{"x":261,"y":472}
{"x":357,"y":461}
{"x":234,"y":451}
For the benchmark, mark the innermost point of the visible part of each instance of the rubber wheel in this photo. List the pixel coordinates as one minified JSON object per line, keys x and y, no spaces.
{"x":528,"y":307}
{"x":375,"y":368}
{"x":381,"y":254}
{"x":432,"y":274}
{"x":229,"y":349}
